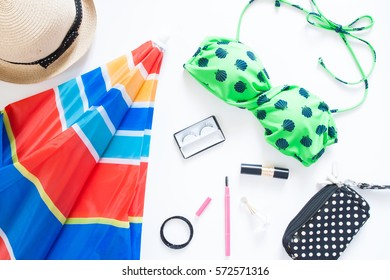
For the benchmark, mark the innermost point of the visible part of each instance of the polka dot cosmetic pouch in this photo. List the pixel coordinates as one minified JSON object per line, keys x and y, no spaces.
{"x":327,"y":224}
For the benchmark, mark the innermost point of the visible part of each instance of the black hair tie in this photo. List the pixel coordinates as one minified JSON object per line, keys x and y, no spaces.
{"x":176,"y":246}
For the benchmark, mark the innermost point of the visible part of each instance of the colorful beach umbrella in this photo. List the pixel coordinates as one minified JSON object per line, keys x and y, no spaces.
{"x":73,"y":163}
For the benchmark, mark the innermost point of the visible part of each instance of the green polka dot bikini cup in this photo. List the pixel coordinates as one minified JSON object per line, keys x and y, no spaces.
{"x":296,"y":122}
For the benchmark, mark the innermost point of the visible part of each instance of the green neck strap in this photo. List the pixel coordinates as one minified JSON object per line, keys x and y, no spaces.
{"x":317,"y":19}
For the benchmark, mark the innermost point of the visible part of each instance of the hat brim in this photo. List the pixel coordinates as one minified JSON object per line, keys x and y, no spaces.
{"x":28,"y":74}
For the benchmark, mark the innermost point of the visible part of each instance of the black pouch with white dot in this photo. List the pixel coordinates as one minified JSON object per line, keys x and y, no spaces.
{"x":326,"y":225}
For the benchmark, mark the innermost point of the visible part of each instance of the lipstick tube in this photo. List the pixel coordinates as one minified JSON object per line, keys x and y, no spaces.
{"x":258,"y":169}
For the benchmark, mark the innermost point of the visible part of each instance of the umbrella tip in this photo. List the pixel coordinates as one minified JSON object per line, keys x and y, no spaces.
{"x":162,"y":40}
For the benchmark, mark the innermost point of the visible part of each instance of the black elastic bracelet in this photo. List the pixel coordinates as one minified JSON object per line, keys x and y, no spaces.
{"x":176,"y":246}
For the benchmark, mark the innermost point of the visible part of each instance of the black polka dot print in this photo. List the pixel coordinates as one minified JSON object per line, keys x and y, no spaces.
{"x":328,"y":232}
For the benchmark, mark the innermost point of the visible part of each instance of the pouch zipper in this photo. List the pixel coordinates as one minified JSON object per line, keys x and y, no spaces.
{"x":310,"y":208}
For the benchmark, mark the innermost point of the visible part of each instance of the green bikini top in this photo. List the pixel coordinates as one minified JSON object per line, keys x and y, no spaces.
{"x":296,"y":121}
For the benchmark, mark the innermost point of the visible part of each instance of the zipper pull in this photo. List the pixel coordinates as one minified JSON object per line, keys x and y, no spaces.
{"x":332,"y":178}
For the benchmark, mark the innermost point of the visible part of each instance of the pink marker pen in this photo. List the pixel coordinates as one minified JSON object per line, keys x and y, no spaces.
{"x":227,"y":218}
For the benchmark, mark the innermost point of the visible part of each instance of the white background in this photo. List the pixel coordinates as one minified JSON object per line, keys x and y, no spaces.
{"x":289,"y":49}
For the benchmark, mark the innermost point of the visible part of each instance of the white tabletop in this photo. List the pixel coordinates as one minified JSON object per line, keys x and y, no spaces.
{"x":289,"y":48}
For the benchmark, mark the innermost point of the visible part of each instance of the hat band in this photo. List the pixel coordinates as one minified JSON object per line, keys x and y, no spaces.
{"x":66,"y":43}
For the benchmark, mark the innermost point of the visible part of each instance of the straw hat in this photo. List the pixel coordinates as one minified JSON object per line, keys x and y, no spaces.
{"x":41,"y":38}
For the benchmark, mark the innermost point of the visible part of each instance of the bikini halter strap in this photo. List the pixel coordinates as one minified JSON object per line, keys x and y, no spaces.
{"x":346,"y":32}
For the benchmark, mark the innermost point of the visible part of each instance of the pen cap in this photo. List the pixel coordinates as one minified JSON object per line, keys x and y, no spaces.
{"x":203,"y":207}
{"x":258,"y":169}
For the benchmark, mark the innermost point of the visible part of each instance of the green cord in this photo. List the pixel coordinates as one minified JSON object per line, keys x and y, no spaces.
{"x":318,"y":19}
{"x":240,"y":20}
